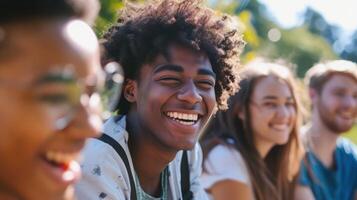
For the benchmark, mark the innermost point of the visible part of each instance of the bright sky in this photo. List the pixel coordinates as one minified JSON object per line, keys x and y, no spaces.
{"x":338,"y":12}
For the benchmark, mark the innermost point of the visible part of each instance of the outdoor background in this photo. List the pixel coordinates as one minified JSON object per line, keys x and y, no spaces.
{"x":300,"y":32}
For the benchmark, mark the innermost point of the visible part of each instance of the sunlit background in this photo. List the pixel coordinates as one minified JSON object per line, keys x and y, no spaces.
{"x":300,"y":32}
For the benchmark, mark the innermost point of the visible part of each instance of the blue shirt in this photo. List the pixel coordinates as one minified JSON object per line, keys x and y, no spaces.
{"x":338,"y":183}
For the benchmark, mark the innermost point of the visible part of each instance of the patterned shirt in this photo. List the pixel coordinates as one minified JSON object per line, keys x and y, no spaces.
{"x":104,"y":174}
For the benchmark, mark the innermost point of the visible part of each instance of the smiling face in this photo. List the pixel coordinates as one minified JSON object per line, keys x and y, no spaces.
{"x":44,"y":62}
{"x":175,"y":98}
{"x":272,"y":112}
{"x":337,"y":103}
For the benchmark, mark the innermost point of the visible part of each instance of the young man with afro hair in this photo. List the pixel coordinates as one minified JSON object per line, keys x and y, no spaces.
{"x":180,"y":61}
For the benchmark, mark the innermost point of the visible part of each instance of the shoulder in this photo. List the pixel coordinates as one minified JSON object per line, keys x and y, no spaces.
{"x":348,"y":149}
{"x":103,"y":170}
{"x":224,"y":163}
{"x":224,"y":153}
{"x":97,"y":150}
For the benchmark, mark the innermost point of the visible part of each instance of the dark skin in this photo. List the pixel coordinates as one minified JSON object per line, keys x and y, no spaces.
{"x":183,"y":85}
{"x":148,"y":160}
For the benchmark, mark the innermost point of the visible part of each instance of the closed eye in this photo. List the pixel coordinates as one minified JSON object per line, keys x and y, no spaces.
{"x":169,"y":81}
{"x":205,"y":84}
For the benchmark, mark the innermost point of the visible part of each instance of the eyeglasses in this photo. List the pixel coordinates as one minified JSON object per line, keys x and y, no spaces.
{"x":59,"y":93}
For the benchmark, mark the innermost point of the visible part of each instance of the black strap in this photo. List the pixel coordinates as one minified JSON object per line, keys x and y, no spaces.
{"x":185,"y":178}
{"x":185,"y":171}
{"x":119,"y":149}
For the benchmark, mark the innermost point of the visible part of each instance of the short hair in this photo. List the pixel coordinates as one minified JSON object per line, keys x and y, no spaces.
{"x":144,"y":31}
{"x":319,"y":74}
{"x":22,"y":11}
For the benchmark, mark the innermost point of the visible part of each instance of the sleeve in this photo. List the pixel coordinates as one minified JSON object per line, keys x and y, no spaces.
{"x":224,"y":163}
{"x":102,"y":175}
{"x":195,"y":162}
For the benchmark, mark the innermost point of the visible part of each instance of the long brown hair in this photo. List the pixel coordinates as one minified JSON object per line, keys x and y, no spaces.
{"x":274,"y":176}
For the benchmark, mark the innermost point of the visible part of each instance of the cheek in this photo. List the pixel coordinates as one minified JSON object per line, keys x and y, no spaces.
{"x":293,"y":114}
{"x":330,"y":101}
{"x":259,"y":118}
{"x":210,"y":101}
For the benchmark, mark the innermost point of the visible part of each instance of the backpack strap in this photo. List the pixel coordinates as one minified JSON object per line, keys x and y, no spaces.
{"x":119,"y":149}
{"x":185,"y":178}
{"x":185,"y":171}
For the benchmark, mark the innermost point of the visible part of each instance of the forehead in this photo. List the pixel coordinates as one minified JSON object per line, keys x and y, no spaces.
{"x":179,"y":53}
{"x":189,"y":61}
{"x":271,"y":86}
{"x":34,"y":48}
{"x":341,"y":81}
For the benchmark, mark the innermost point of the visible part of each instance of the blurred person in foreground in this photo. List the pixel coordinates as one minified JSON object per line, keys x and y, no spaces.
{"x":49,"y":70}
{"x":329,"y":169}
{"x":180,"y":61}
{"x":252,"y":150}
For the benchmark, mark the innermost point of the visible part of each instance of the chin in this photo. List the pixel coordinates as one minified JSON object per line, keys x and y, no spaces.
{"x":187,"y":145}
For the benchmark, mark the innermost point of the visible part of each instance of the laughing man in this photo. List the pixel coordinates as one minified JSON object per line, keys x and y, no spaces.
{"x":180,"y":61}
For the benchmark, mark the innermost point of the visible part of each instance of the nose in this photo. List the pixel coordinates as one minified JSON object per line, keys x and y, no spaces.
{"x":283,"y":111}
{"x":189,"y":93}
{"x":87,"y":122}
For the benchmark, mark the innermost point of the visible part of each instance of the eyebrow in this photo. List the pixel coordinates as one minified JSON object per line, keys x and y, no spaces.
{"x":178,"y":68}
{"x":168,"y":67}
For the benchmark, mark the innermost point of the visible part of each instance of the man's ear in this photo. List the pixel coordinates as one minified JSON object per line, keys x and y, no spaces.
{"x":130,"y":90}
{"x":313,"y":94}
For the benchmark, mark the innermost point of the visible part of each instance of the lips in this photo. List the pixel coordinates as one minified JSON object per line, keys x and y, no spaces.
{"x":346,"y":115}
{"x":280,"y":127}
{"x":61,"y":166}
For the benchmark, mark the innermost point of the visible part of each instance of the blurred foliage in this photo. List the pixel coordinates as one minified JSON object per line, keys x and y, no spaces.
{"x":107,"y":15}
{"x":350,"y":50}
{"x":352,"y":134}
{"x":301,"y":46}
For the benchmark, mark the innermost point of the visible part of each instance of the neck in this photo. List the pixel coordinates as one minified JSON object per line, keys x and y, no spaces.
{"x":263,"y":148}
{"x":322,"y":141}
{"x":149,"y":157}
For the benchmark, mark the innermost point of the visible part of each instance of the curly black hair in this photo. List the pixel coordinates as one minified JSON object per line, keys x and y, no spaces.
{"x":143,"y":31}
{"x":21,"y":11}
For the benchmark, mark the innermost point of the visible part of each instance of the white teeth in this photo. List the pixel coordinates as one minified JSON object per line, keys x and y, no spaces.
{"x":183,"y":116}
{"x":60,"y":158}
{"x":185,"y":123}
{"x":280,"y":126}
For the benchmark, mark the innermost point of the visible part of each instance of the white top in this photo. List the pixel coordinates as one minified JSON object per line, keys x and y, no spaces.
{"x":224,"y":163}
{"x":104,"y":174}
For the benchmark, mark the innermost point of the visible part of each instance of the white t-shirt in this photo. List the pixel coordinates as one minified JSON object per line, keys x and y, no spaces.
{"x":224,"y":163}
